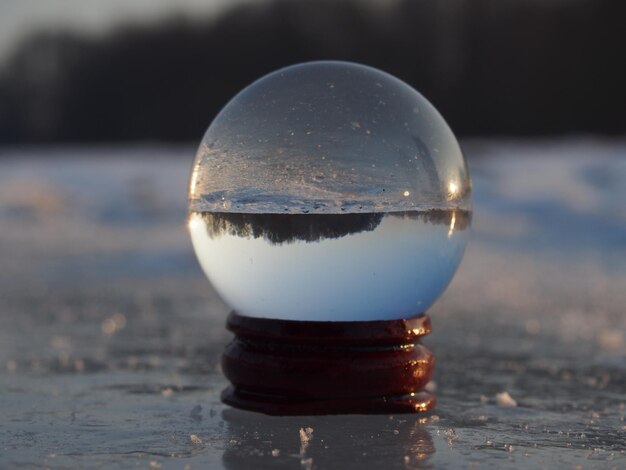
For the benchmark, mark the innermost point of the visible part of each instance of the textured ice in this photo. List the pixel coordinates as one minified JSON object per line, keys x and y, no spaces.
{"x":536,"y":309}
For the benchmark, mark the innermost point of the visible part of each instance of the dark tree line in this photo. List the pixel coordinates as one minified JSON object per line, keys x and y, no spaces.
{"x":490,"y":66}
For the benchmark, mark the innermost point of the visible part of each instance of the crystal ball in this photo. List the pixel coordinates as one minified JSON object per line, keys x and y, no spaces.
{"x":329,"y":191}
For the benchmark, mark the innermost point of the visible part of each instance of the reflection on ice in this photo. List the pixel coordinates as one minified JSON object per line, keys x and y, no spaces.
{"x":259,"y":441}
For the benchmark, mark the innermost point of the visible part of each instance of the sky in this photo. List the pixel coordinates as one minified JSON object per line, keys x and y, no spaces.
{"x":19,"y":18}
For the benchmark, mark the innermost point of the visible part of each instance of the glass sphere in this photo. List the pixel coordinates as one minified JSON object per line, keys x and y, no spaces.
{"x":329,"y":191}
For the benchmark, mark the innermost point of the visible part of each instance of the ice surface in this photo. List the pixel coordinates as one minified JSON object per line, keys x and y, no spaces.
{"x":536,"y":309}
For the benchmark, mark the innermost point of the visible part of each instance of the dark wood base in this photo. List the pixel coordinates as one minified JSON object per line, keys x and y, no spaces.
{"x":284,"y":367}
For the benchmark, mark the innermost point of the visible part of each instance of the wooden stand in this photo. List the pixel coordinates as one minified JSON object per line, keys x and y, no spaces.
{"x":285,"y":367}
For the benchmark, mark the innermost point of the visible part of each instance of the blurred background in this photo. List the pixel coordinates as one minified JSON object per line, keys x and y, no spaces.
{"x":152,"y":70}
{"x":110,"y":334}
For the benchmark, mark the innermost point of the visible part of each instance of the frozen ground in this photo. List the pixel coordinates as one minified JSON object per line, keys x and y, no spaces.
{"x":110,"y":336}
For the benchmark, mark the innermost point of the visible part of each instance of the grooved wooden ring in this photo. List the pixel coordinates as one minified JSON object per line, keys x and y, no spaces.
{"x":285,"y":367}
